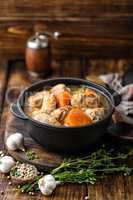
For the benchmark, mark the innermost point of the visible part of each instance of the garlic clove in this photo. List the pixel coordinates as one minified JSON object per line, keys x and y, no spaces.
{"x":46,"y":191}
{"x":47,"y":184}
{"x":49,"y":177}
{"x":4,"y":168}
{"x":6,"y":163}
{"x":51,"y":185}
{"x":7,"y":159}
{"x":15,"y":142}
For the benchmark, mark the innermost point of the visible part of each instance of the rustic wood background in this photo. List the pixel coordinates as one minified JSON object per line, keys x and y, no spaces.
{"x":95,"y":28}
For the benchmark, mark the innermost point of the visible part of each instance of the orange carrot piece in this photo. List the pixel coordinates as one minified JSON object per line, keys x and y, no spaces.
{"x":76,"y":117}
{"x":63,"y":99}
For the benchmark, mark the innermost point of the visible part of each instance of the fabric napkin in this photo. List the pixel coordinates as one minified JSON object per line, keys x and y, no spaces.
{"x":114,"y":81}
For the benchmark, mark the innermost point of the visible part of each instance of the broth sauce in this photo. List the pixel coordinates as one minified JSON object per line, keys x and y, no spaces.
{"x":67,"y":105}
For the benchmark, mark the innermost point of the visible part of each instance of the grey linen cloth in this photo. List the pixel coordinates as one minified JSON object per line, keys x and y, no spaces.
{"x":114,"y":81}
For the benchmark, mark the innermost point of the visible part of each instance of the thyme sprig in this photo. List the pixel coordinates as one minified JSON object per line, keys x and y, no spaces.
{"x":31,"y":187}
{"x":88,"y":169}
{"x":31,"y":155}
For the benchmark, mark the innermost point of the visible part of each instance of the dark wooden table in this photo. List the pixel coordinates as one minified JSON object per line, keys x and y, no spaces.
{"x":14,"y":74}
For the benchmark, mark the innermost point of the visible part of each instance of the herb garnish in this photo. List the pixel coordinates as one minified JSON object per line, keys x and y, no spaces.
{"x":31,"y":155}
{"x":15,"y":172}
{"x":30,"y":187}
{"x":88,"y":169}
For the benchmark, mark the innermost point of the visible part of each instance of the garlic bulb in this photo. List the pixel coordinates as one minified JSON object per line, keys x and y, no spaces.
{"x":47,"y":184}
{"x":6,"y":163}
{"x":15,"y":141}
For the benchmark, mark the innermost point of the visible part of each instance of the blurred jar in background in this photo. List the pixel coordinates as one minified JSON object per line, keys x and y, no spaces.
{"x":38,"y":55}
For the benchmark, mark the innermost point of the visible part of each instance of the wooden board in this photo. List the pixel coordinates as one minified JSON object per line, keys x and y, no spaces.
{"x":45,"y":159}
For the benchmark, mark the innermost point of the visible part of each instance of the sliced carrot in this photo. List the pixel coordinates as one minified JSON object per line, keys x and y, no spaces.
{"x":76,"y":117}
{"x":63,"y":98}
{"x":90,"y":92}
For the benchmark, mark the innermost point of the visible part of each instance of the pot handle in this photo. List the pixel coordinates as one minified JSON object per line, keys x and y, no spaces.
{"x":116,"y":96}
{"x":17,"y":112}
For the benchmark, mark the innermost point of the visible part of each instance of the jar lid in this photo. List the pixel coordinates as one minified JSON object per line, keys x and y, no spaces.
{"x":39,"y":40}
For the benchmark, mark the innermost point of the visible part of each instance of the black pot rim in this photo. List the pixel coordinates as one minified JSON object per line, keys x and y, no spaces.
{"x":95,"y":86}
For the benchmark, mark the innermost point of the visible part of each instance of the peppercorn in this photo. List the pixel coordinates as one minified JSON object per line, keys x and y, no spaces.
{"x":8,"y":177}
{"x":10,"y":183}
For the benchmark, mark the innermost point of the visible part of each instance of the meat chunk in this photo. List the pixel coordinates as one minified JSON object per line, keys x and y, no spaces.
{"x":91,"y":102}
{"x":58,"y":89}
{"x":49,"y":102}
{"x":86,"y":99}
{"x":45,"y":118}
{"x":91,"y":99}
{"x":95,"y":114}
{"x":35,"y":101}
{"x":60,"y":113}
{"x":77,"y":100}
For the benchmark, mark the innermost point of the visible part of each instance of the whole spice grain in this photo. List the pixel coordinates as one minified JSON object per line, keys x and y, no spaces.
{"x":10,"y":183}
{"x":24,"y":171}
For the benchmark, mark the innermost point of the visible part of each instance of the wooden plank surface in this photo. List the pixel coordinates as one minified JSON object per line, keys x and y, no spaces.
{"x":76,"y":38}
{"x":61,"y":9}
{"x":94,"y":28}
{"x":3,"y":86}
{"x":112,"y":188}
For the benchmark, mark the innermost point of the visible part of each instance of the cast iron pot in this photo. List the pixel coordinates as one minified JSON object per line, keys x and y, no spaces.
{"x":64,"y":139}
